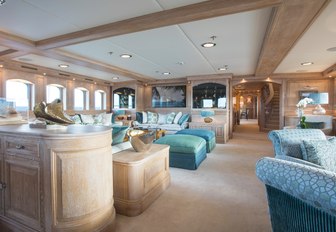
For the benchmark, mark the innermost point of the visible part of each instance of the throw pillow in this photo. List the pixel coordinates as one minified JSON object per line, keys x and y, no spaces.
{"x":87,"y":118}
{"x":118,"y":134}
{"x":315,"y":125}
{"x":107,"y":119}
{"x":170,"y":118}
{"x":152,"y":117}
{"x":138,"y":117}
{"x":162,"y":118}
{"x":183,"y":119}
{"x":320,"y":152}
{"x":144,"y":117}
{"x":98,"y":119}
{"x":177,"y":117}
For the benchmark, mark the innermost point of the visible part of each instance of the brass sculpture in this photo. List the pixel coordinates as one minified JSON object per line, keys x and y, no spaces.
{"x":52,"y":112}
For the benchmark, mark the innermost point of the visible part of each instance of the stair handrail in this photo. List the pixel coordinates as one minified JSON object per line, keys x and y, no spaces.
{"x":271,"y":94}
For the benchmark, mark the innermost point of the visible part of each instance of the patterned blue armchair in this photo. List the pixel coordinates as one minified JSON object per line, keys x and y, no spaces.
{"x":300,"y":197}
{"x":287,"y":143}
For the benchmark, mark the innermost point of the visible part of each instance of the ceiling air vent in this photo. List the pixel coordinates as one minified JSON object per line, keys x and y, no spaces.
{"x":87,"y":79}
{"x":27,"y":67}
{"x":63,"y":74}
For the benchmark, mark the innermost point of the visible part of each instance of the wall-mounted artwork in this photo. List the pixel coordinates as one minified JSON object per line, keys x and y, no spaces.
{"x":169,"y":96}
{"x":306,"y":93}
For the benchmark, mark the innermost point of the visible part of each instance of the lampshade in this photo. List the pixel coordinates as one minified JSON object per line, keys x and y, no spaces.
{"x":207,"y":114}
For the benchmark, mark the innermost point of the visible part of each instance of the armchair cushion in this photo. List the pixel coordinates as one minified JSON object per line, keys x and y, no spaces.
{"x":288,"y":142}
{"x":320,"y":152}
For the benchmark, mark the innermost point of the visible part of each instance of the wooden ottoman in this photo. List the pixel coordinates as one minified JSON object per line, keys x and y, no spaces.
{"x":186,"y":151}
{"x":139,"y":178}
{"x":208,"y":135}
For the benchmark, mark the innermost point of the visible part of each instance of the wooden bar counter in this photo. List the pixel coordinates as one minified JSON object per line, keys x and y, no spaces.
{"x":139,"y":178}
{"x":56,"y":180}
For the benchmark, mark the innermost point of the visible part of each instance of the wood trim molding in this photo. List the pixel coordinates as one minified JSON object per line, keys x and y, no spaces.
{"x":330,"y":72}
{"x":288,"y":24}
{"x":198,"y":11}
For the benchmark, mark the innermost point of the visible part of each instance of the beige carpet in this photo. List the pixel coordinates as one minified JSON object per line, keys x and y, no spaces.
{"x":222,"y":195}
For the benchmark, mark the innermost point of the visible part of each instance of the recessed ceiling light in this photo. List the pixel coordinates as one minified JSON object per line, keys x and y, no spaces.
{"x":44,"y":74}
{"x":223,"y":68}
{"x":330,"y":76}
{"x":307,"y":63}
{"x":1,"y":65}
{"x":95,"y":83}
{"x":208,"y":44}
{"x":166,"y":73}
{"x":63,"y":66}
{"x":2,"y":2}
{"x":125,"y":56}
{"x":73,"y":79}
{"x":115,"y":78}
{"x":333,"y":49}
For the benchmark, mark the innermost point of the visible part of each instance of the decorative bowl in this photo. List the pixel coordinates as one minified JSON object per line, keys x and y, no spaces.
{"x":120,"y":117}
{"x":141,"y":140}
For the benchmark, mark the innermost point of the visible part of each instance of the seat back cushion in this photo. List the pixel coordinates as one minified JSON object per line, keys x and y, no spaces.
{"x":288,"y":142}
{"x":320,"y":152}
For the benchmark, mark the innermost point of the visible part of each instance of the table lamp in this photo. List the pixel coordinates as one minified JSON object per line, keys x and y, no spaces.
{"x":207,"y":114}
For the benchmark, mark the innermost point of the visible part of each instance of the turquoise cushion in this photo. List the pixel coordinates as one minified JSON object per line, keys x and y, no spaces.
{"x":320,"y":152}
{"x":183,"y":143}
{"x":315,"y":125}
{"x":205,"y":134}
{"x":118,"y":134}
{"x":184,"y":118}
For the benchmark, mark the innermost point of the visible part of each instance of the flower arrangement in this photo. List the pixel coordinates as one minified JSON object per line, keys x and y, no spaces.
{"x":300,"y":106}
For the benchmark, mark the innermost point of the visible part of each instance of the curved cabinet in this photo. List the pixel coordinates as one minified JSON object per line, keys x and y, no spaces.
{"x":56,"y":180}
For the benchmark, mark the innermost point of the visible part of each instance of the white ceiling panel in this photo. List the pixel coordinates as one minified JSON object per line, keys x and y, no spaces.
{"x":313,"y":45}
{"x":238,"y":39}
{"x":169,"y":4}
{"x":40,"y":19}
{"x":53,"y":64}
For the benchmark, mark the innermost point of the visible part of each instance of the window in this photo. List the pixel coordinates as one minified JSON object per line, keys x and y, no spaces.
{"x":209,"y":95}
{"x":81,"y":99}
{"x":124,"y":98}
{"x":55,"y":91}
{"x":21,"y":92}
{"x":100,"y":100}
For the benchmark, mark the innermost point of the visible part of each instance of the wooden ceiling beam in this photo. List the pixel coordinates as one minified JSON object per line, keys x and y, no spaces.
{"x":288,"y":24}
{"x":330,"y":72}
{"x":193,"y":12}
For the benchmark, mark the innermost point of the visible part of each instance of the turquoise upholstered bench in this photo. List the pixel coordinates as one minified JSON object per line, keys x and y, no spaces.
{"x":208,"y":135}
{"x":186,"y":151}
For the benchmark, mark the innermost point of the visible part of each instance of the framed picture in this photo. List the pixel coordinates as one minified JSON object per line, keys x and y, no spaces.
{"x":169,"y":96}
{"x":306,"y":93}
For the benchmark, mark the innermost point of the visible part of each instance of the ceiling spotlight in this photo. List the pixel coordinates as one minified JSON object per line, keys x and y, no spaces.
{"x":115,"y":78}
{"x":63,"y":66}
{"x":1,"y":66}
{"x":166,"y":73}
{"x":73,"y":79}
{"x":44,"y":74}
{"x":125,"y":56}
{"x":223,"y":68}
{"x":2,"y":2}
{"x":210,"y":44}
{"x":307,"y":63}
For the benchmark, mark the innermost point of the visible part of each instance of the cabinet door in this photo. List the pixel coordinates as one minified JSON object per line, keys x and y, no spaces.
{"x":22,"y":193}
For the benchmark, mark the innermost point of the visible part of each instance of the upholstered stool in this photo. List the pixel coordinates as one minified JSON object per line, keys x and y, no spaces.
{"x":208,"y":135}
{"x":186,"y":151}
